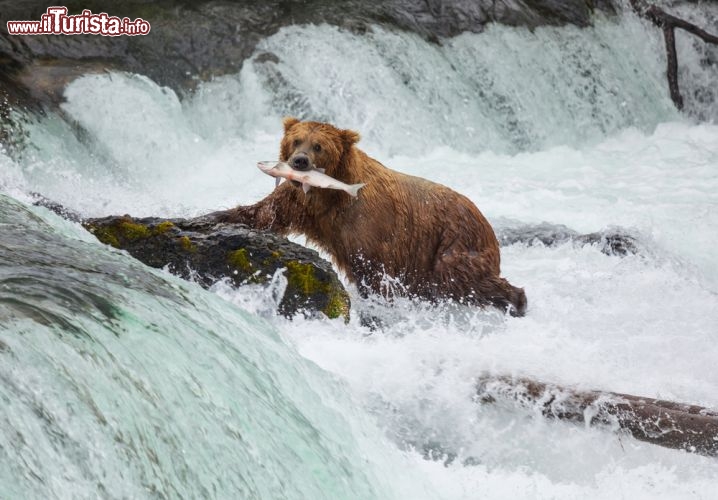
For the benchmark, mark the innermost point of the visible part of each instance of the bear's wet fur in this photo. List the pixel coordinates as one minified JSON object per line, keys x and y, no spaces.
{"x":429,"y":238}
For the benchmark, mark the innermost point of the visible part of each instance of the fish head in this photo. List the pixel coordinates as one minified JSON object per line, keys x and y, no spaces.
{"x":314,"y":145}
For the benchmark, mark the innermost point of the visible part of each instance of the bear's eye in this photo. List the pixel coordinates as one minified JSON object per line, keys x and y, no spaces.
{"x":297,"y":142}
{"x":317,"y":148}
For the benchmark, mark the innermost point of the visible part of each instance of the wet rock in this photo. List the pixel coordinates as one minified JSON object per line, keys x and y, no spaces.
{"x":204,"y":251}
{"x":192,"y":41}
{"x":61,"y":210}
{"x":614,"y":241}
{"x":611,"y":242}
{"x":436,"y":19}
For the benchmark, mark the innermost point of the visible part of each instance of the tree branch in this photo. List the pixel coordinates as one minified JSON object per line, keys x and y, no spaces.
{"x":668,"y":23}
{"x":669,"y":36}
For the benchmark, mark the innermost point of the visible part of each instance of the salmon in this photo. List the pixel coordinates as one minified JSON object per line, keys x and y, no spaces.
{"x":311,"y":178}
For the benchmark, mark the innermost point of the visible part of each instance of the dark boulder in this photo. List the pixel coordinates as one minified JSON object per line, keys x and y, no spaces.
{"x":205,"y":252}
{"x":615,"y":241}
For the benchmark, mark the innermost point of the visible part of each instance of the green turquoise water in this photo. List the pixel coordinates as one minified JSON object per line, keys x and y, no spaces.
{"x":119,"y":381}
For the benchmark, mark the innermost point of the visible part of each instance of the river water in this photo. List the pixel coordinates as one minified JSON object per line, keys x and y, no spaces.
{"x":121,"y":381}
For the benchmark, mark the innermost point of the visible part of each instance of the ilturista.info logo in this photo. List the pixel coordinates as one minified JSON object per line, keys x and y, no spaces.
{"x":56,"y":21}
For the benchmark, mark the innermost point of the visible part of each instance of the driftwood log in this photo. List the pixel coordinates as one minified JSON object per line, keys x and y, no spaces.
{"x":665,"y":423}
{"x":668,"y":24}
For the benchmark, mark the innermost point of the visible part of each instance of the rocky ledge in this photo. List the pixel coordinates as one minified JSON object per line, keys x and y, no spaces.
{"x":205,"y":252}
{"x":191,"y":41}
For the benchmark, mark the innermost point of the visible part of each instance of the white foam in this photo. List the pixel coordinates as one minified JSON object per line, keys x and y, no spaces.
{"x":643,"y":324}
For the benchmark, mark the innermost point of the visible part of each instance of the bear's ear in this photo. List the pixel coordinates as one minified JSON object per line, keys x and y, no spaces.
{"x":289,"y":122}
{"x":349,"y":137}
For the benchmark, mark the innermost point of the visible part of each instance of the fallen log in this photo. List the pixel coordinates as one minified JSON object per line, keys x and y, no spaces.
{"x":668,"y":23}
{"x":665,"y":423}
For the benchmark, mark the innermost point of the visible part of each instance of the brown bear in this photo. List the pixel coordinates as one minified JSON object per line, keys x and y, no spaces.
{"x":431,"y":240}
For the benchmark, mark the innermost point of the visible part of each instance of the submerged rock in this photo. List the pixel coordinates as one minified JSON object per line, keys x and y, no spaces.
{"x":205,"y":252}
{"x":611,"y":242}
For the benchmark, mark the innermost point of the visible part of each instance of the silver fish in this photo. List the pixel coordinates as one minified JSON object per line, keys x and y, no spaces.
{"x":315,"y":177}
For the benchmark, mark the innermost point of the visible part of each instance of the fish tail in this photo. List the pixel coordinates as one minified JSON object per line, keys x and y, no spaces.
{"x":354,"y":189}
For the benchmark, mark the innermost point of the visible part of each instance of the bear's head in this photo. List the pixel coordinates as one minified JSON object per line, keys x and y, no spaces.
{"x":308,"y":145}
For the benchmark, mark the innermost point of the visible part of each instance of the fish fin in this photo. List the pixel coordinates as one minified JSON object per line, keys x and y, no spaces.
{"x":354,"y":189}
{"x":306,"y":187}
{"x":321,"y":170}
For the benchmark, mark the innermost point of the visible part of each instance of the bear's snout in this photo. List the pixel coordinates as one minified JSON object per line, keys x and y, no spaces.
{"x":300,"y":162}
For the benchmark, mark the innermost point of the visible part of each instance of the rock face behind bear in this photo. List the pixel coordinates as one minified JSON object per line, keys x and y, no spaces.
{"x":191,"y":41}
{"x":205,"y":252}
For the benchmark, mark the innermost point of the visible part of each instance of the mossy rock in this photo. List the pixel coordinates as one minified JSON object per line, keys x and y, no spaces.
{"x":205,"y":252}
{"x":239,"y":259}
{"x":305,"y":281}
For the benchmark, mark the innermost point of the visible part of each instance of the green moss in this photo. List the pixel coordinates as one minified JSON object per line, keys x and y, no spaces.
{"x":132,"y":231}
{"x":187,"y":244}
{"x":120,"y":231}
{"x":338,"y":306}
{"x":239,"y":259}
{"x":106,"y":235}
{"x":302,"y":277}
{"x":275,"y":255}
{"x":163,"y":227}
